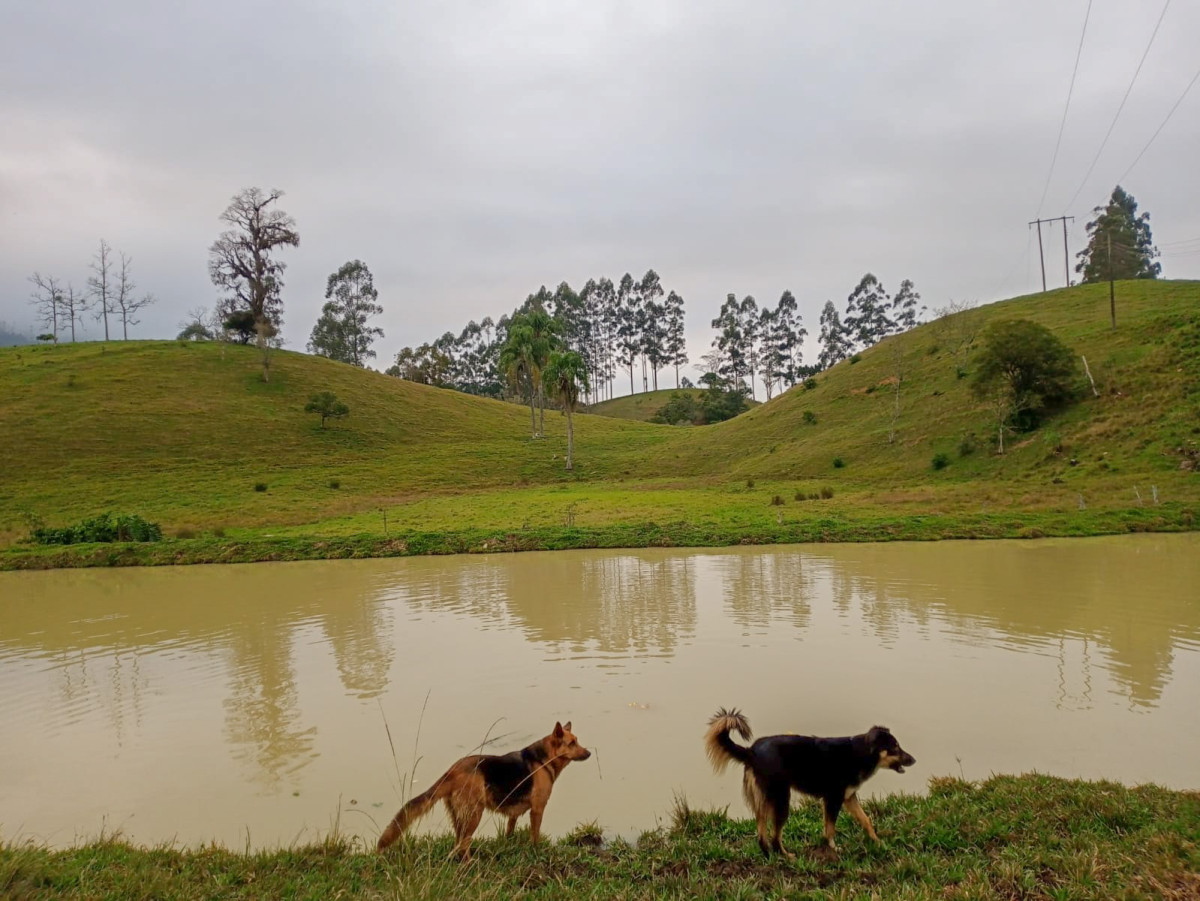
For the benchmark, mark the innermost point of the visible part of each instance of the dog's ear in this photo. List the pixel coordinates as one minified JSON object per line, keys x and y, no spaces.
{"x":878,"y":737}
{"x":558,"y":730}
{"x":567,"y":727}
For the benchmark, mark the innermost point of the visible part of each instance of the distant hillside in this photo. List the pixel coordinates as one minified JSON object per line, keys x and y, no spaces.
{"x":182,"y":432}
{"x":1147,"y":372}
{"x":639,"y":407}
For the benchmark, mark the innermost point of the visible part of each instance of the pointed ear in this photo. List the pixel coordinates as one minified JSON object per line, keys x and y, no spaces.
{"x":568,"y":726}
{"x":558,"y":730}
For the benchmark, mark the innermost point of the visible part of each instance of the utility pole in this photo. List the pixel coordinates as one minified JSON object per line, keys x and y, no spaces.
{"x":1112,"y":297}
{"x":1066,"y":254}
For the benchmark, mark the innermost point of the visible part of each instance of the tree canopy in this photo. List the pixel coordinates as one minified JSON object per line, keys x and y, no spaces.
{"x":342,"y":332}
{"x":1118,"y":227}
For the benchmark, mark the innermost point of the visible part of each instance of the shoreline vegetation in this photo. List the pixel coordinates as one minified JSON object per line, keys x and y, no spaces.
{"x":1029,"y":836}
{"x":255,"y":548}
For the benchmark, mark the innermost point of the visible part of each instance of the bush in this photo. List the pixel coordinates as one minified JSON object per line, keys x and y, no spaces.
{"x":940,"y":460}
{"x":809,"y":417}
{"x":810,"y":384}
{"x":826,"y":492}
{"x":960,"y":372}
{"x":967,"y":444}
{"x":749,"y":483}
{"x":799,"y":496}
{"x":855,"y":358}
{"x":260,"y":486}
{"x":777,"y":501}
{"x":326,"y":405}
{"x":334,"y":483}
{"x":838,"y":463}
{"x":103,"y":528}
{"x":681,"y":408}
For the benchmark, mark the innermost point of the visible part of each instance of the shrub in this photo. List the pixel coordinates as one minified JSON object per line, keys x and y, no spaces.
{"x":777,"y":501}
{"x":260,"y":486}
{"x":838,"y":463}
{"x":799,"y":496}
{"x":809,"y":417}
{"x":855,"y":358}
{"x":334,"y":483}
{"x":682,"y":408}
{"x":826,"y":492}
{"x":810,"y":384}
{"x":960,"y":372}
{"x":749,"y":483}
{"x":326,"y":405}
{"x":967,"y":444}
{"x":102,"y":528}
{"x":940,"y":460}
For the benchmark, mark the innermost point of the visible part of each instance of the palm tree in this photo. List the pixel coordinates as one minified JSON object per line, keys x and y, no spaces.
{"x":516,"y":360}
{"x":544,"y":331}
{"x":566,"y":376}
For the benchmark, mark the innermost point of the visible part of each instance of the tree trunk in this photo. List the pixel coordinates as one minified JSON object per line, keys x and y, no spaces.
{"x":570,"y":440}
{"x":532,"y":415}
{"x":541,"y":411}
{"x":676,"y":375}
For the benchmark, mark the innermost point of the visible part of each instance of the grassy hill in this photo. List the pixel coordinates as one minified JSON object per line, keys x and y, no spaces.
{"x":641,"y":407}
{"x":181,"y":433}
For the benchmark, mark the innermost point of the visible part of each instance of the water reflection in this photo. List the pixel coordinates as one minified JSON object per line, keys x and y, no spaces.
{"x":273,"y":677}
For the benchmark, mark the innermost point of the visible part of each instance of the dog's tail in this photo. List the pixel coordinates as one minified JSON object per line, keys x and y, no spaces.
{"x":414,"y":810}
{"x":720,"y":748}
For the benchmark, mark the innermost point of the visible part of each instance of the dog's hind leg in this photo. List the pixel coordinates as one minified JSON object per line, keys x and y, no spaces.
{"x":512,"y":824}
{"x":832,"y":806}
{"x":779,"y":800}
{"x":859,"y":814}
{"x":465,"y":814}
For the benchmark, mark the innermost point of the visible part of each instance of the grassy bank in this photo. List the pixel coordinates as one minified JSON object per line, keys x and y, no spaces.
{"x":188,"y":436}
{"x":253,"y":548}
{"x":1010,"y":837}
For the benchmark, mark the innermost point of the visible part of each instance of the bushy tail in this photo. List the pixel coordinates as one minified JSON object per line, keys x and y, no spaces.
{"x":413,"y":811}
{"x":719,"y":747}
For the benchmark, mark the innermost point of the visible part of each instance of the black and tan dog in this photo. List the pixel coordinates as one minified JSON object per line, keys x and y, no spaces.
{"x":831,"y":769}
{"x":509,"y":783}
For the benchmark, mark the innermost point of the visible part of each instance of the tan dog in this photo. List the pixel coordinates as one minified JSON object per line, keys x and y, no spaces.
{"x":509,"y":783}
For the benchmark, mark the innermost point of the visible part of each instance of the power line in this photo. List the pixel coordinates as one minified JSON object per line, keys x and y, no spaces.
{"x":1128,"y":91}
{"x":1161,"y":127}
{"x":1070,"y":91}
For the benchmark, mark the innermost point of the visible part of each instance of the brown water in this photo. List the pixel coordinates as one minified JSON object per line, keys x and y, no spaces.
{"x":251,"y":704}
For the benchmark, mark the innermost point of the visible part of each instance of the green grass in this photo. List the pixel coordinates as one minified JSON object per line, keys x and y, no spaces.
{"x":641,"y":407}
{"x":182,"y":433}
{"x":1010,"y":837}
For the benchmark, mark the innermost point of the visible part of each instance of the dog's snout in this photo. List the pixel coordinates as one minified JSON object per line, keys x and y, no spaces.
{"x":586,"y":754}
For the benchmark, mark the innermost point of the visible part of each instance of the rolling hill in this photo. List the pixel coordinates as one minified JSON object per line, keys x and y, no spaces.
{"x":182,"y":434}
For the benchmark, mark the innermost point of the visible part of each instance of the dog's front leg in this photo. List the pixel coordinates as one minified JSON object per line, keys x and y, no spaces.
{"x":859,"y":814}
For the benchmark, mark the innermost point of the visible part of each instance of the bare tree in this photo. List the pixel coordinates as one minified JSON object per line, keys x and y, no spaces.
{"x":47,"y":297}
{"x":125,"y":303}
{"x":74,"y":305}
{"x":241,"y":261}
{"x":100,"y":284}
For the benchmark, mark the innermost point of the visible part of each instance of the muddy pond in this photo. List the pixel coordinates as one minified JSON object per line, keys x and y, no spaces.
{"x":267,"y":704}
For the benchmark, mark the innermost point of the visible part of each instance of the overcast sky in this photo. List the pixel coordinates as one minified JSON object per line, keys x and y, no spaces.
{"x":469,"y":152}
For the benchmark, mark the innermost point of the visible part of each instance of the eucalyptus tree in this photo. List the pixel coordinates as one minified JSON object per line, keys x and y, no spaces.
{"x":866,"y":320}
{"x":629,"y":342}
{"x":903,"y":311}
{"x":650,"y":324}
{"x":1120,"y":244}
{"x":342,"y":332}
{"x":676,"y":345}
{"x":834,"y":339}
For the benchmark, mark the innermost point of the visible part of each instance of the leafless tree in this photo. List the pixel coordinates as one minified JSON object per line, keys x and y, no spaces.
{"x":47,"y":297}
{"x":241,"y":262}
{"x":74,"y":305}
{"x":126,"y":304}
{"x":100,"y":285}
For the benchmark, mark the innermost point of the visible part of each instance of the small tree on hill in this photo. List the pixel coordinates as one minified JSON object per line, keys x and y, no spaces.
{"x":1119,"y":245}
{"x":326,"y":405}
{"x":1022,"y":370}
{"x":566,"y":376}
